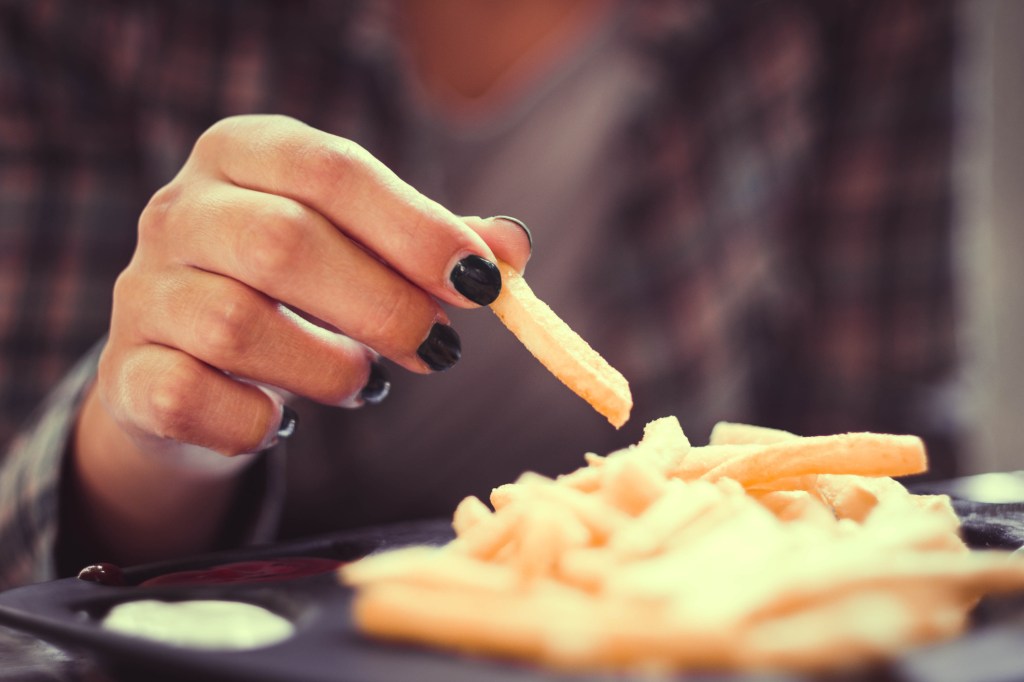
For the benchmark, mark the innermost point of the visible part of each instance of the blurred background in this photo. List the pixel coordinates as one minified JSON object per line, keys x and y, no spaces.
{"x":991,"y":216}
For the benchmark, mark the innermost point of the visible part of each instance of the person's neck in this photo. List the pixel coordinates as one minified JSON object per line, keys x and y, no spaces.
{"x":467,"y":48}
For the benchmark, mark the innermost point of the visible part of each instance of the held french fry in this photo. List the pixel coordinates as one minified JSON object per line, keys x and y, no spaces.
{"x":560,"y":349}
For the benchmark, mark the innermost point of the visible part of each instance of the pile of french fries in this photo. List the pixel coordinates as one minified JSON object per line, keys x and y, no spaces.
{"x":761,"y":550}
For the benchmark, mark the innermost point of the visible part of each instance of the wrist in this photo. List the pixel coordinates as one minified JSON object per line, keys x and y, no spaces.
{"x":140,"y":505}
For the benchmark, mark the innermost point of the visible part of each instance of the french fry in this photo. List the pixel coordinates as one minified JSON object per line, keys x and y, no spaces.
{"x":874,"y":626}
{"x":796,"y":505}
{"x":664,"y":443}
{"x":504,"y":495}
{"x":587,"y":568}
{"x":631,"y":484}
{"x":735,"y":433}
{"x":863,"y":454}
{"x":484,"y":540}
{"x":430,"y":567}
{"x":807,"y":483}
{"x":560,"y":349}
{"x":764,"y":551}
{"x":555,"y":626}
{"x":665,"y":434}
{"x":652,"y":531}
{"x":700,"y":460}
{"x":545,"y":532}
{"x":586,"y":479}
{"x":469,"y":513}
{"x":601,"y":519}
{"x":458,"y":620}
{"x":851,"y":569}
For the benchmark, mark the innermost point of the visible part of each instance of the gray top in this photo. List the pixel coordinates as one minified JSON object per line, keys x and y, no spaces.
{"x":498,"y":412}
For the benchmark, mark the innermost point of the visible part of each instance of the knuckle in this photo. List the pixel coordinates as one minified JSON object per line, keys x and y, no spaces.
{"x":250,"y":131}
{"x":211,"y":139}
{"x":276,"y":243}
{"x":147,"y":301}
{"x":124,"y":287}
{"x":332,"y":162}
{"x":159,"y":210}
{"x":172,"y":399}
{"x":225,"y":327}
{"x":341,"y":380}
{"x":288,"y":215}
{"x":135,"y":304}
{"x":123,"y":299}
{"x":388,"y":310}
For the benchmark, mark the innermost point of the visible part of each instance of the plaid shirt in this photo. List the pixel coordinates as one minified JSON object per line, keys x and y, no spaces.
{"x":780,"y":254}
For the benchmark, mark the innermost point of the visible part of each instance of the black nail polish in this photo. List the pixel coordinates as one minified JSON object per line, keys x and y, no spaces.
{"x":478,"y":279}
{"x":377,"y":386}
{"x":289,"y":422}
{"x":520,"y":223}
{"x":442,"y":349}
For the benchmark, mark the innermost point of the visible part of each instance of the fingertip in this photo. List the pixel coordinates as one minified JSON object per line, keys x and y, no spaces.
{"x":283,"y":423}
{"x":441,"y":349}
{"x":522,"y":226}
{"x":376,"y":388}
{"x":378,"y":385}
{"x":477,"y":279}
{"x":289,"y":423}
{"x":509,"y":238}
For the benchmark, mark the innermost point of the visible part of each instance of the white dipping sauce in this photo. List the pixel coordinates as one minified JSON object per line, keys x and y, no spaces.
{"x":202,"y":624}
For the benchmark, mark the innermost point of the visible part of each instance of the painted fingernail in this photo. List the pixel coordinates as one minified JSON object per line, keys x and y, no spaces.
{"x":442,"y":349}
{"x":520,"y":223}
{"x":377,"y":386}
{"x":289,"y":423}
{"x":476,"y":278}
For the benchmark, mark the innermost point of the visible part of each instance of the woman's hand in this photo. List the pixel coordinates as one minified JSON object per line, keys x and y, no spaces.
{"x":280,"y":259}
{"x":269,"y":225}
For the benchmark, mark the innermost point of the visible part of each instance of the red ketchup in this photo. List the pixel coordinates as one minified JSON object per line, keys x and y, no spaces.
{"x":262,"y":571}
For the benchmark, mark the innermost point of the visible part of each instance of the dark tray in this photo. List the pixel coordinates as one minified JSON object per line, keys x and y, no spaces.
{"x":327,"y":647}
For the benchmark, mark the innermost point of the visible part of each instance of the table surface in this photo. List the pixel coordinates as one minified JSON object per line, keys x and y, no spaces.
{"x":24,"y":657}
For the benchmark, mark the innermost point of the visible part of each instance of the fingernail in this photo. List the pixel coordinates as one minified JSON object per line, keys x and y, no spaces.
{"x":442,"y":349}
{"x":377,"y":386}
{"x":289,"y":423}
{"x":520,"y":223}
{"x":476,"y":278}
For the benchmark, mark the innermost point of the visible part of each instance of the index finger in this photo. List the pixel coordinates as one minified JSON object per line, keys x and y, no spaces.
{"x":362,"y":197}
